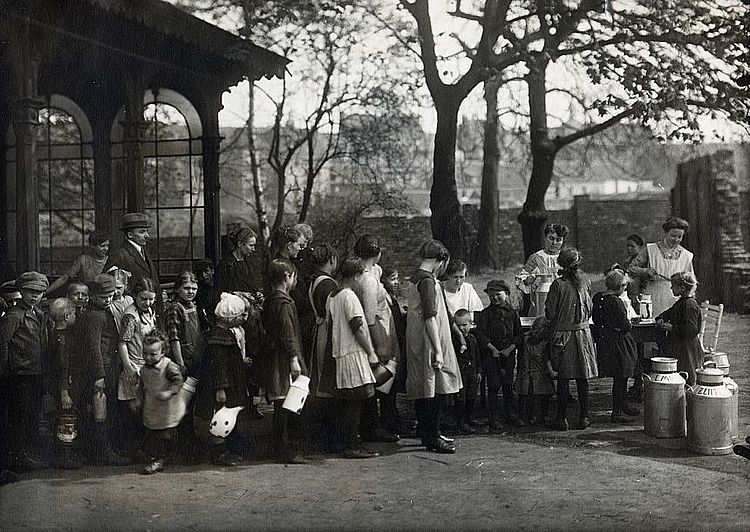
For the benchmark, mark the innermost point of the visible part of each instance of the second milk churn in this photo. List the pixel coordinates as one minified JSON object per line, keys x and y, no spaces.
{"x":709,"y":413}
{"x":721,"y":361}
{"x":664,"y":399}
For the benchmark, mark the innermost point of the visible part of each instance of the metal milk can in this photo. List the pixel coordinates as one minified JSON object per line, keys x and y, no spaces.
{"x":709,"y":413}
{"x":664,"y":399}
{"x":543,"y":282}
{"x":721,"y":361}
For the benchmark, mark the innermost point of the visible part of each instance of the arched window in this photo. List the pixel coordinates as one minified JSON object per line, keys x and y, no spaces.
{"x":65,"y":179}
{"x":173,"y":179}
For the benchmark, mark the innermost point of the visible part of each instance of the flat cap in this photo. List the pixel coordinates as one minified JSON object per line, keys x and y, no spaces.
{"x":134,"y":220}
{"x":32,"y":281}
{"x":497,"y":285}
{"x":102,"y":284}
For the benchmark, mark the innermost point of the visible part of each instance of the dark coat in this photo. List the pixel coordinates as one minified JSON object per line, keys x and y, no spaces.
{"x":283,"y":342}
{"x":682,"y":341}
{"x":223,"y":368}
{"x":128,"y":258}
{"x":616,"y":351}
{"x":500,"y":326}
{"x":23,"y":341}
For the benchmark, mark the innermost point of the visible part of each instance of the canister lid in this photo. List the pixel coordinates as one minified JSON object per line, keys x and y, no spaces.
{"x":709,"y":376}
{"x":664,"y":364}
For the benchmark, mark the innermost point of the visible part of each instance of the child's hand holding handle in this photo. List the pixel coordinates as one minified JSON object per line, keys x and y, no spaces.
{"x":296,"y":369}
{"x":221,"y":396}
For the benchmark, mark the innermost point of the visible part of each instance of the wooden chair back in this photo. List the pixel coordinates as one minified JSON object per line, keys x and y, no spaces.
{"x":710,"y":325}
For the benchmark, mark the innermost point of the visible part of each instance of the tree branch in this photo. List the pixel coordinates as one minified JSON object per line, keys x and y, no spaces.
{"x":593,"y":129}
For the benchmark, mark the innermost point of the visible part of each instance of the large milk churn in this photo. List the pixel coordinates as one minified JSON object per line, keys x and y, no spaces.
{"x":709,"y":413}
{"x":664,"y":399}
{"x":543,"y":282}
{"x":721,"y":361}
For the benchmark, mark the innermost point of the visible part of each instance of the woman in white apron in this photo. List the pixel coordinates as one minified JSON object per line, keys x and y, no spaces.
{"x":656,"y":264}
{"x":541,"y":263}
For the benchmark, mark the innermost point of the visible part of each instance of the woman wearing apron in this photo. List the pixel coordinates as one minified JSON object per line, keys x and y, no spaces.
{"x":656,"y":264}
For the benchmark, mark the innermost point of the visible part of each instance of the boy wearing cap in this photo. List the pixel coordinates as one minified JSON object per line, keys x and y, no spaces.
{"x":499,"y":334}
{"x":23,"y":347}
{"x":132,"y":256}
{"x":98,"y":335}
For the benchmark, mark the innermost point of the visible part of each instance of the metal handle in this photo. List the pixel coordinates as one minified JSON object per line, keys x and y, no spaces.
{"x":647,"y":377}
{"x":683,"y":374}
{"x":709,"y":364}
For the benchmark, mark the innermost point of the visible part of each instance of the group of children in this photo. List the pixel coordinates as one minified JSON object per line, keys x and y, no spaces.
{"x":115,"y":369}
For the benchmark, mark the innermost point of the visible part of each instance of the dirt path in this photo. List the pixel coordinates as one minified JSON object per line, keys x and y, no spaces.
{"x":603,"y":478}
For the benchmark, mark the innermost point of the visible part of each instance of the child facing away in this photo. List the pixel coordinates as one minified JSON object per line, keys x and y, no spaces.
{"x":616,"y":351}
{"x":499,"y":334}
{"x":354,"y":354}
{"x":23,"y":344}
{"x":281,"y":361}
{"x":534,"y":381}
{"x":223,"y":382}
{"x":160,"y":380}
{"x":682,"y":322}
{"x":66,"y":375}
{"x":471,"y":374}
{"x":78,"y":293}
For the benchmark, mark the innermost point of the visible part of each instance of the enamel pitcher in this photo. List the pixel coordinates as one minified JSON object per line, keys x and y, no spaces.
{"x":664,"y":399}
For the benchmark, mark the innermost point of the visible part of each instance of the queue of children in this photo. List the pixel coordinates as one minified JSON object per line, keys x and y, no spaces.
{"x":115,"y":364}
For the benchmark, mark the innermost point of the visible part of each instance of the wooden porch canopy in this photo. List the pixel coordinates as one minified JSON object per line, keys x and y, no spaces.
{"x":105,"y":55}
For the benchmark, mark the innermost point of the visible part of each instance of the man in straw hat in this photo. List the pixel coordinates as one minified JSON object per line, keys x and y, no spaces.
{"x":132,"y":256}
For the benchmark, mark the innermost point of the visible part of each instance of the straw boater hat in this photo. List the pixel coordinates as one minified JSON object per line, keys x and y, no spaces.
{"x":134,"y":220}
{"x":102,"y":284}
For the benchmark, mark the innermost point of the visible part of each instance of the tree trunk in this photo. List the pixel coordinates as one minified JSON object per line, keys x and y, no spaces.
{"x":307,"y":192}
{"x":446,"y":221}
{"x":264,"y":234}
{"x":533,"y":215}
{"x":487,"y":246}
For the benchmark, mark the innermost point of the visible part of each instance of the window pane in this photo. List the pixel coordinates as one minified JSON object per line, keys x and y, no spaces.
{"x":65,"y":182}
{"x":44,"y":234}
{"x":169,"y":268}
{"x":42,"y":175}
{"x":174,"y":184}
{"x":173,"y":147}
{"x":67,"y":234}
{"x":170,"y":124}
{"x":149,"y":181}
{"x":197,"y":199}
{"x":174,"y":234}
{"x":199,"y":239}
{"x":62,"y":127}
{"x":87,"y":169}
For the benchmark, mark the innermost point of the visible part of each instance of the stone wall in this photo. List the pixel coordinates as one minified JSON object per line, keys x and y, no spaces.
{"x":597,"y":227}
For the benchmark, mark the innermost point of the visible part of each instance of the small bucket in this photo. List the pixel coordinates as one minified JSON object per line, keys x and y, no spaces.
{"x":297,"y":394}
{"x":386,"y":386}
{"x":66,"y":430}
{"x":188,"y":390}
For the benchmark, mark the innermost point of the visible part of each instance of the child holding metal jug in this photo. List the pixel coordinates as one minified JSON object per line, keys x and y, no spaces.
{"x":66,"y":382}
{"x":280,"y":361}
{"x":682,"y":323}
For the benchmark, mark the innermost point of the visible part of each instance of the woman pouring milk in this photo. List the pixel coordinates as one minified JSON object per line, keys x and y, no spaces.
{"x":541,"y":263}
{"x":660,"y":260}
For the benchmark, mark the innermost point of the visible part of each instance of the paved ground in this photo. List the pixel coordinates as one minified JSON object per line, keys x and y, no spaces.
{"x":603,"y":478}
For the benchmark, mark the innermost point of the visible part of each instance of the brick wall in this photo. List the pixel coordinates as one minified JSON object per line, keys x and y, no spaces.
{"x":597,"y":227}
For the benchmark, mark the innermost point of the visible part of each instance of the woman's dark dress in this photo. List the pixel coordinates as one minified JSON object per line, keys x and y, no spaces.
{"x":616,"y":350}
